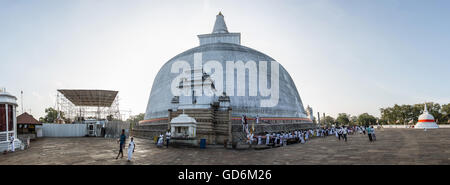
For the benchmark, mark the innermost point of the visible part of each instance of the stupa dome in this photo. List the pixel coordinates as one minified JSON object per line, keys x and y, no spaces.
{"x":223,"y":46}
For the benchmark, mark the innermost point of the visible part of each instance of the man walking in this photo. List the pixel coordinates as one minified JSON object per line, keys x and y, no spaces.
{"x":344,"y":133}
{"x":369,"y":133}
{"x":374,"y":138}
{"x":340,"y":133}
{"x":121,"y":140}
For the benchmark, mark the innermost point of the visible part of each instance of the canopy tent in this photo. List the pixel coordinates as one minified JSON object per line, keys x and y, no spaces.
{"x":94,"y":98}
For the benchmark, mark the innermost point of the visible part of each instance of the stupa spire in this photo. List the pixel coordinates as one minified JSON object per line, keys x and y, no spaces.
{"x":425,"y":108}
{"x":220,"y":33}
{"x":219,"y":25}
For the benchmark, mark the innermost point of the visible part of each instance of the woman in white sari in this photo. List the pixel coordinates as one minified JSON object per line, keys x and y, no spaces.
{"x":131,"y":147}
{"x":302,"y":139}
{"x":160,"y":140}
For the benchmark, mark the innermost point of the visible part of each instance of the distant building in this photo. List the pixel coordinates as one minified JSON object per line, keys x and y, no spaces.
{"x":26,"y":125}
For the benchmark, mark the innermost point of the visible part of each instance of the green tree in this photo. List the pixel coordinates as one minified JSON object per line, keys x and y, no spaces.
{"x":366,"y":119}
{"x":343,"y":119}
{"x":133,"y":120}
{"x":328,"y":120}
{"x":435,"y":110}
{"x":382,"y":122}
{"x":403,"y":114}
{"x":445,"y":111}
{"x":51,"y":116}
{"x":353,"y":120}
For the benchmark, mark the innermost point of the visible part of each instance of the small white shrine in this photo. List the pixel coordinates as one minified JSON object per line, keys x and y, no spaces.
{"x":183,"y":129}
{"x":426,"y":120}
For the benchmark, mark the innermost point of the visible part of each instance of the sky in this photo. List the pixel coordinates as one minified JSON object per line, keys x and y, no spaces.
{"x":352,"y":56}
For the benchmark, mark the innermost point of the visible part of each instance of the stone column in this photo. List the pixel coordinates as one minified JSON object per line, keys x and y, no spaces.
{"x":7,"y":123}
{"x":15,"y":122}
{"x":230,"y":137}
{"x":169,"y":118}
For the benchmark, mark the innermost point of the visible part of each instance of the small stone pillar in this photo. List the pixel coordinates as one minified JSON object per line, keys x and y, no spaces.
{"x":169,"y":118}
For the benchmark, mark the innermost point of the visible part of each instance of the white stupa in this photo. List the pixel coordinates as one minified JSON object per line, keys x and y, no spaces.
{"x":426,"y":120}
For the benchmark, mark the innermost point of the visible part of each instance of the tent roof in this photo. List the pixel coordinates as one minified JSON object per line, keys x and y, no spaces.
{"x":86,"y":97}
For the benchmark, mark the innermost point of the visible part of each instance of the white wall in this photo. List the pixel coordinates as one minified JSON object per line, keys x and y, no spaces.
{"x":63,"y":130}
{"x":409,"y":126}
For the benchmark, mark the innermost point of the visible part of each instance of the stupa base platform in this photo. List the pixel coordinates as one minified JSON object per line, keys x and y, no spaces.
{"x":149,"y":131}
{"x":426,"y":125}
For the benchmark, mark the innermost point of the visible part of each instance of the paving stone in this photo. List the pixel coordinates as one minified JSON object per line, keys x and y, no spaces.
{"x":393,"y":146}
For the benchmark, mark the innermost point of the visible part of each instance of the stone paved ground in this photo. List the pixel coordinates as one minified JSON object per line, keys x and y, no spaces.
{"x":393,"y":146}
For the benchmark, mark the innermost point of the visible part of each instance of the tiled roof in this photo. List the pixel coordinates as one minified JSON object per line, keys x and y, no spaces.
{"x":26,"y":118}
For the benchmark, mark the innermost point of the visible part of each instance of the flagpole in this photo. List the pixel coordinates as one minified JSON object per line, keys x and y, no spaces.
{"x":21,"y":97}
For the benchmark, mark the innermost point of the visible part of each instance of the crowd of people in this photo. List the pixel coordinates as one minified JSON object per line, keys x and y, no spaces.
{"x":284,"y":138}
{"x":275,"y":139}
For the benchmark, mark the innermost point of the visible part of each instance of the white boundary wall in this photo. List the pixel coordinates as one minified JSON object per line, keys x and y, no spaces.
{"x":113,"y":129}
{"x":63,"y":130}
{"x":409,"y":126}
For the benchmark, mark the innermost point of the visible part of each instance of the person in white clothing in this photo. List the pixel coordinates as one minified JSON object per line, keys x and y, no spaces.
{"x":276,"y":139}
{"x":257,"y":119}
{"x":259,"y":140}
{"x":281,"y":139}
{"x":13,"y":147}
{"x":168,"y":134}
{"x":344,"y":133}
{"x":131,"y":147}
{"x":267,"y":138}
{"x":302,"y":139}
{"x":160,"y":140}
